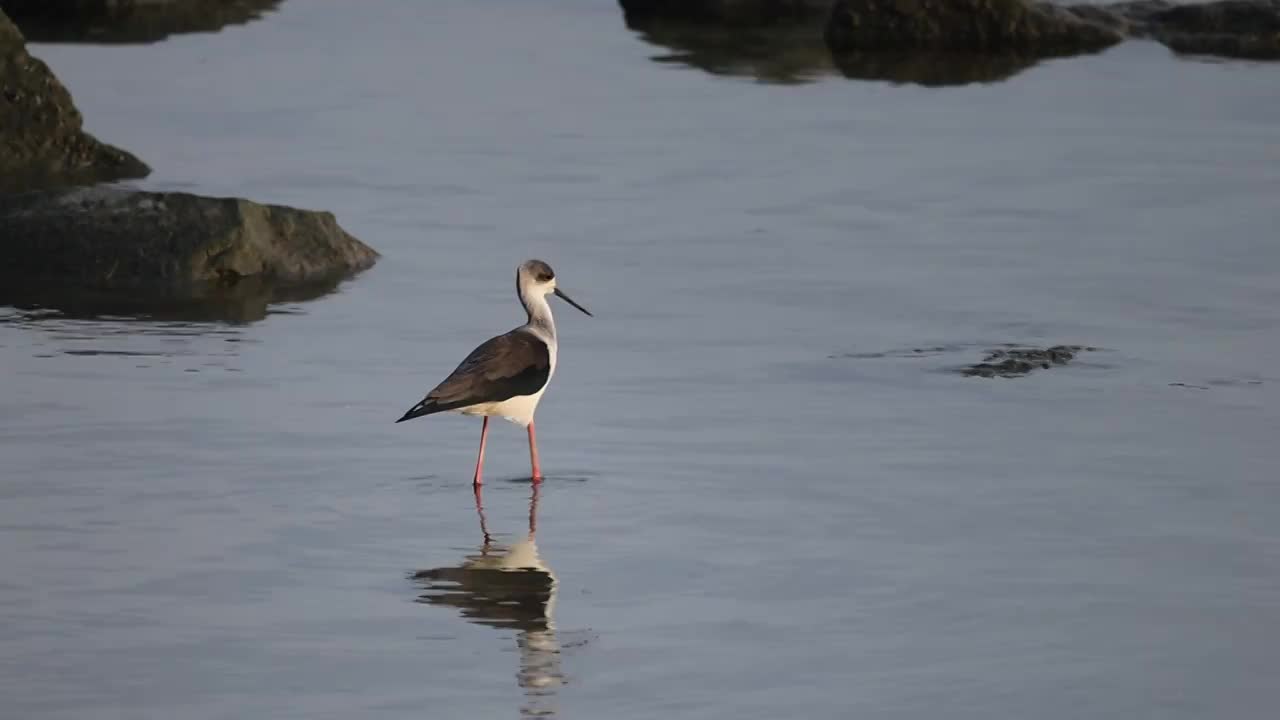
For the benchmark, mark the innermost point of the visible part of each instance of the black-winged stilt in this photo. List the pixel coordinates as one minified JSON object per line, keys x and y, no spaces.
{"x":506,"y":375}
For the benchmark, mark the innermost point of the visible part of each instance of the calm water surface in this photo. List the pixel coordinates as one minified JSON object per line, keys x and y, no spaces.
{"x":761,"y":502}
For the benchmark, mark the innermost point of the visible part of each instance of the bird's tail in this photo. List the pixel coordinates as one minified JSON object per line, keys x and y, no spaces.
{"x":426,"y":407}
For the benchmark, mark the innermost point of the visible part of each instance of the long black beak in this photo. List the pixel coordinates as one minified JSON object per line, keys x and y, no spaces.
{"x":569,"y":300}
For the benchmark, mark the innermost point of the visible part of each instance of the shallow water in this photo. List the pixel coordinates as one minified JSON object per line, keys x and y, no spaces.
{"x":762,"y":500}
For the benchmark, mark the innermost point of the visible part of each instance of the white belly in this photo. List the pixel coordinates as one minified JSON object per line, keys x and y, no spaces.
{"x":520,"y":408}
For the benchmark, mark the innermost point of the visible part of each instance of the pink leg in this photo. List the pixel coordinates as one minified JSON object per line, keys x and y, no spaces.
{"x":533,"y":455}
{"x":484,"y":434}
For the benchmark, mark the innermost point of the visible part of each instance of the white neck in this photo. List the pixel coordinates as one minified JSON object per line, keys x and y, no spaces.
{"x":539,"y":312}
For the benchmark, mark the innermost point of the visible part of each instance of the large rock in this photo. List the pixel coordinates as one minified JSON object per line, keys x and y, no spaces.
{"x":41,"y":140}
{"x":167,"y":246}
{"x":729,"y":12}
{"x":970,"y":26}
{"x":128,"y":21}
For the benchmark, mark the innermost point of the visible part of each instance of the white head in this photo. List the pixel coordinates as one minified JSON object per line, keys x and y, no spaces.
{"x":535,"y":280}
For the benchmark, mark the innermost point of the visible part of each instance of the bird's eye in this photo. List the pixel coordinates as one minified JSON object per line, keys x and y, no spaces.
{"x":545,"y":277}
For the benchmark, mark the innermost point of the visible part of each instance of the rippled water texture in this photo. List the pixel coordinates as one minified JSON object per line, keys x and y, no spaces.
{"x":770,"y":492}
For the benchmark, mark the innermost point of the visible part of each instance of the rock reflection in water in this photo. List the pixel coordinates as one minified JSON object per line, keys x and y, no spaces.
{"x":248,"y":300}
{"x":508,"y":587}
{"x":124,"y":22}
{"x":931,"y":69}
{"x":784,"y":55}
{"x":797,"y":53}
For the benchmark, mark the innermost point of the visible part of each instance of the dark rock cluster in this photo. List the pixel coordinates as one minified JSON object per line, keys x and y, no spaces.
{"x":1015,"y":362}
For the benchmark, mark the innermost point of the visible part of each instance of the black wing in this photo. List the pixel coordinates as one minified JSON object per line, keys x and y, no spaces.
{"x":517,"y":363}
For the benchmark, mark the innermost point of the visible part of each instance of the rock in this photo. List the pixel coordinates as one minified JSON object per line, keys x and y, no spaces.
{"x":128,"y":21}
{"x":167,"y":247}
{"x":970,"y":26}
{"x":1231,"y":28}
{"x":727,"y":12}
{"x":42,"y":143}
{"x":1015,"y":362}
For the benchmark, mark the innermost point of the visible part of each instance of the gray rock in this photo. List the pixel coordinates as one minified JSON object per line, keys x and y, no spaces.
{"x":1012,"y":27}
{"x":167,"y":247}
{"x":42,"y":142}
{"x":128,"y":21}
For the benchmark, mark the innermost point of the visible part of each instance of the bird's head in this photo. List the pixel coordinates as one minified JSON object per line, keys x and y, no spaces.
{"x":535,"y":278}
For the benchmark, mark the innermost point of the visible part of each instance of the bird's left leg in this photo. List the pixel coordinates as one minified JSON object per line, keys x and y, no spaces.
{"x":533,"y":455}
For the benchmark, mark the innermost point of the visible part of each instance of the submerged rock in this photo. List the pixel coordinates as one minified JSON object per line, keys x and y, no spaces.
{"x":1015,"y":362}
{"x":167,"y":247}
{"x":42,"y":142}
{"x":128,"y":21}
{"x":972,"y":26}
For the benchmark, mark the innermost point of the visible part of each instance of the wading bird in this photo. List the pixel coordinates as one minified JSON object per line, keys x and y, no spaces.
{"x":506,"y":375}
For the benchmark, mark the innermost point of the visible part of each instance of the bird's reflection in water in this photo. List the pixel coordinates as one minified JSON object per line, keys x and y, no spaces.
{"x":508,"y":587}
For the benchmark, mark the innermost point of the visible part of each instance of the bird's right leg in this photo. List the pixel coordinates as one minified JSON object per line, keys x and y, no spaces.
{"x":484,"y":434}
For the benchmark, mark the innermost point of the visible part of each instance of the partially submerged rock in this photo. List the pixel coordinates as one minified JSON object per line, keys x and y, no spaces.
{"x":167,"y":247}
{"x":1012,"y":27}
{"x":1015,"y":362}
{"x":1229,"y":28}
{"x":128,"y":21}
{"x":42,"y":142}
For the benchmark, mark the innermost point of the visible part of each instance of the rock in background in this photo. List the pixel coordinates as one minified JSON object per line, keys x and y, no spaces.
{"x":971,"y":26}
{"x":168,"y":245}
{"x":42,"y":142}
{"x":128,"y":21}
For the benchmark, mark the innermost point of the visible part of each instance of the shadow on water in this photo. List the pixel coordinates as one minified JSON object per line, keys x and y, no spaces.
{"x":786,"y":55}
{"x":249,"y":300}
{"x":112,"y":22}
{"x":791,"y":54}
{"x":931,"y":69}
{"x":508,"y":587}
